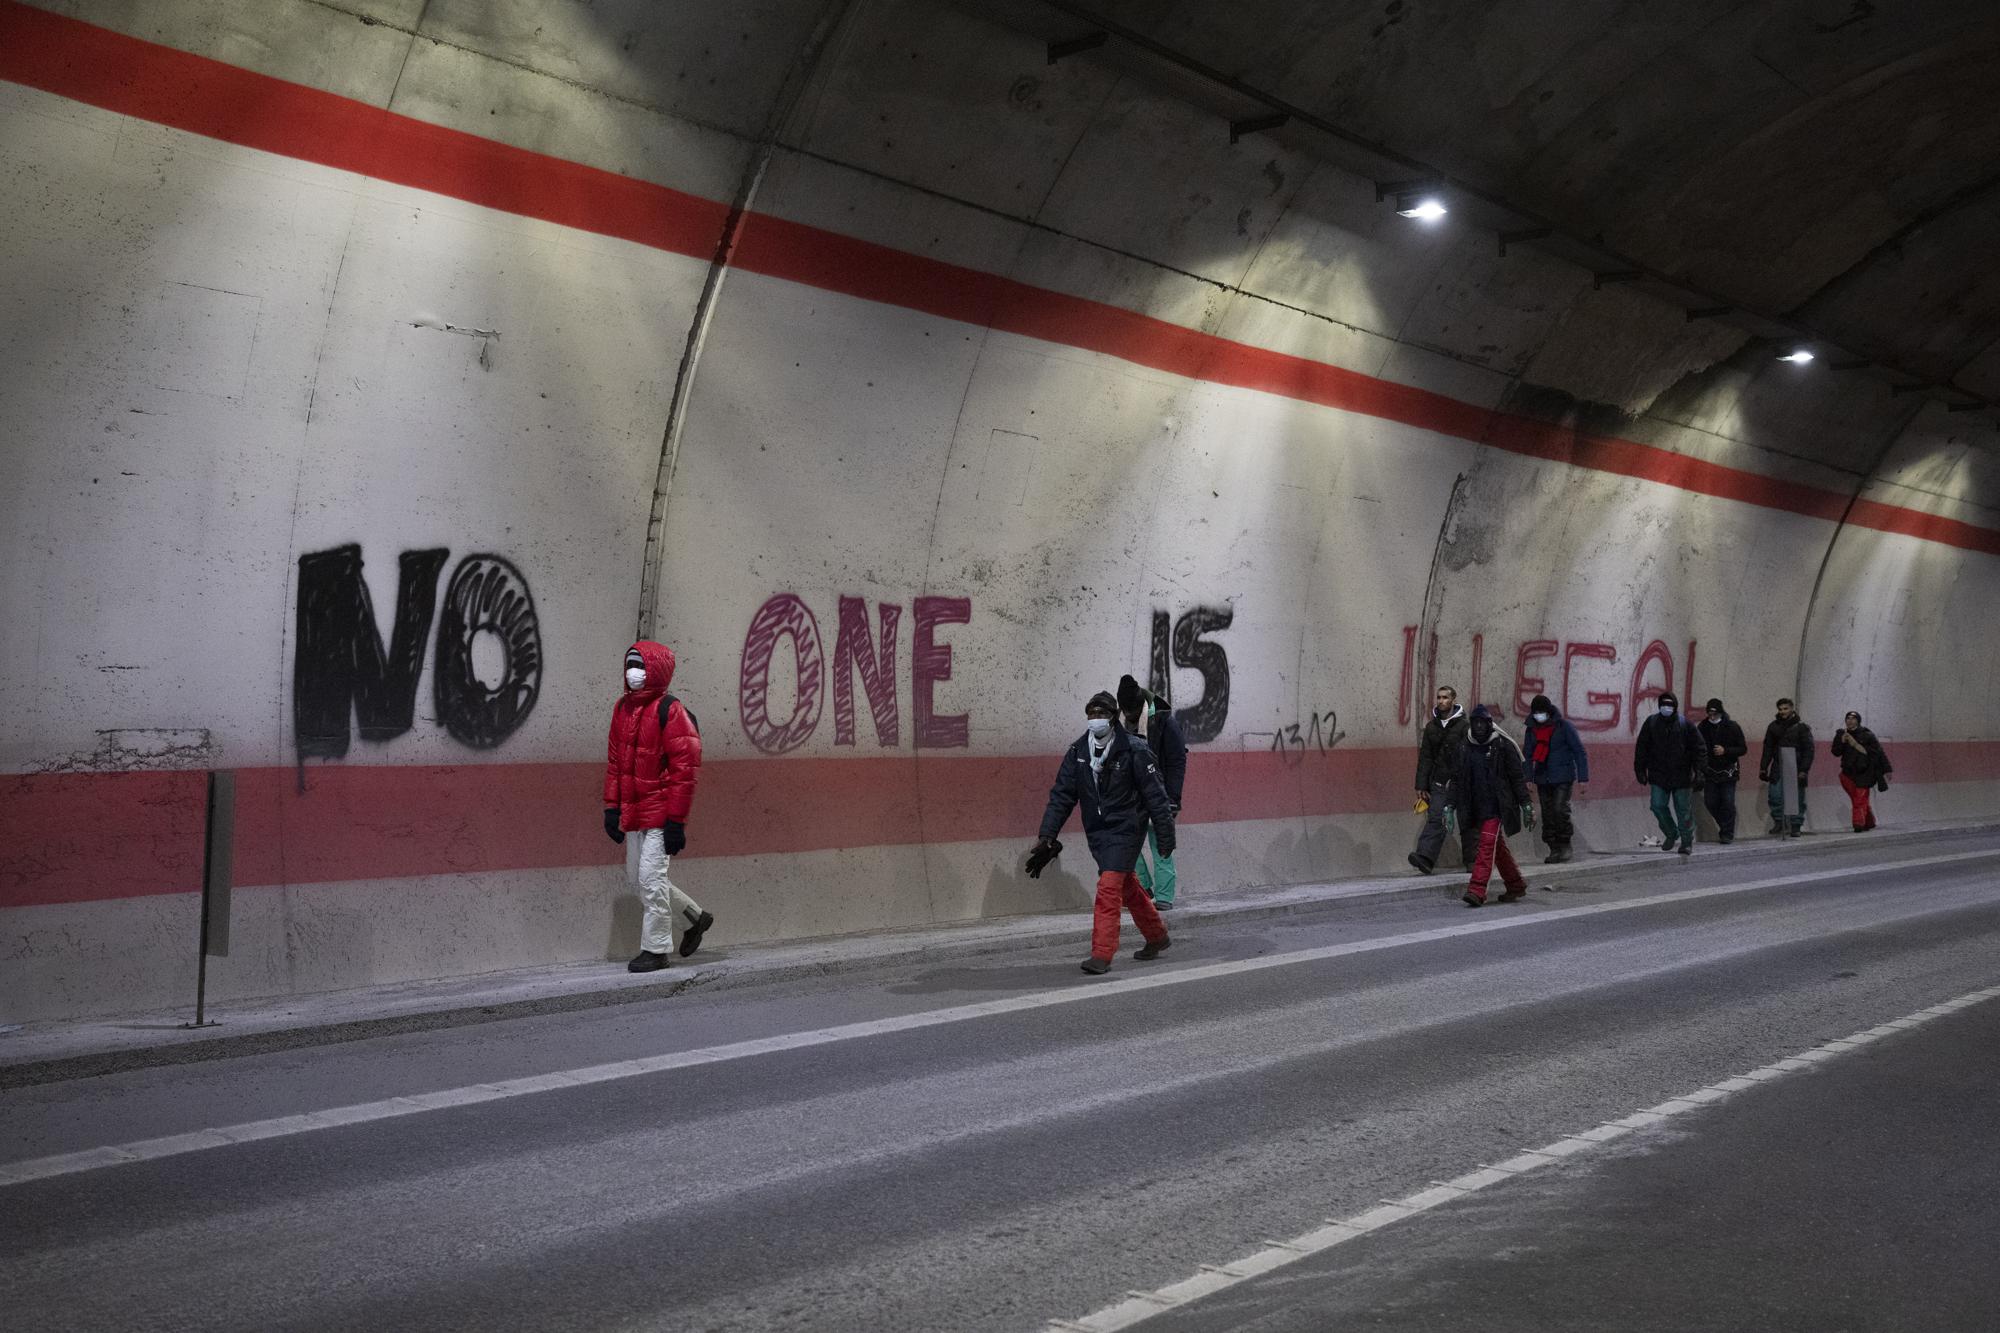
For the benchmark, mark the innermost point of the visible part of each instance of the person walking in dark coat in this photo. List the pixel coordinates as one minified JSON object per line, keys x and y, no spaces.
{"x":1863,"y":764}
{"x":1670,"y":760}
{"x":1554,"y":760}
{"x":1788,"y":731}
{"x":1437,"y":770}
{"x":1491,"y":796}
{"x":1723,"y":741}
{"x":1148,"y":716}
{"x":1112,"y":774}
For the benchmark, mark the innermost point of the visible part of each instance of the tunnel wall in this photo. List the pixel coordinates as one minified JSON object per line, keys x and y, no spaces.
{"x":340,"y":377}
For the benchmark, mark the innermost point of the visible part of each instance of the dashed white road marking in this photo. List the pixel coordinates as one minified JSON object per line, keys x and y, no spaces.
{"x":62,"y":1164}
{"x":1139,"y":1306}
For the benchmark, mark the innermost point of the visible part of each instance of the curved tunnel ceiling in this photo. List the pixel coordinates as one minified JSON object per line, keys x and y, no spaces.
{"x":1835,"y":161}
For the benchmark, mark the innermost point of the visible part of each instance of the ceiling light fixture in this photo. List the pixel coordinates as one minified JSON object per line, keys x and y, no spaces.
{"x":1798,"y":356}
{"x":1423,"y":207}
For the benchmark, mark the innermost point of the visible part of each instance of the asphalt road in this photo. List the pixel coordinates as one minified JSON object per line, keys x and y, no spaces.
{"x":883,"y":1159}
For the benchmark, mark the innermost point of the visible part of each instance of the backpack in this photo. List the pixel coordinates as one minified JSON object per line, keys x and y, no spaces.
{"x":693,"y":721}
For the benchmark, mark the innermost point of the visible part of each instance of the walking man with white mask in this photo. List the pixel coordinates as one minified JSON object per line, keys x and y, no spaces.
{"x":1671,"y":760}
{"x":649,"y":778}
{"x":1113,"y":775}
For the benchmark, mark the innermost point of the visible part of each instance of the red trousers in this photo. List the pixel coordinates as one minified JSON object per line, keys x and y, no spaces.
{"x":1492,"y":848}
{"x":1864,"y":818}
{"x":1116,"y":889}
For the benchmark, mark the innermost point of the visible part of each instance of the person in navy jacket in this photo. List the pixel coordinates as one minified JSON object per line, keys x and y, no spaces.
{"x":1554,"y":760}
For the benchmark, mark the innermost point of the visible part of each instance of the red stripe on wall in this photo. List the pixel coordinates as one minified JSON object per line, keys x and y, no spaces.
{"x":202,"y":96}
{"x":365,"y":822}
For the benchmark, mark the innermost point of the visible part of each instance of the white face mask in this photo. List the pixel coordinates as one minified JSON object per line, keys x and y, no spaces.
{"x":635,"y":678}
{"x":1098,"y":727}
{"x":1541,"y":717}
{"x":1666,"y":710}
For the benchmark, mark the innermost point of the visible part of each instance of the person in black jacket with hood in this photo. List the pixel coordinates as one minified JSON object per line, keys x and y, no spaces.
{"x":1437,"y":769}
{"x":1491,"y":795}
{"x":1726,"y":747}
{"x":1114,"y":777}
{"x":1554,"y":760}
{"x":1669,"y":759}
{"x":1147,"y":715}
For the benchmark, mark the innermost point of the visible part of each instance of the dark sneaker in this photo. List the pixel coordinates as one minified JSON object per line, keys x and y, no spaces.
{"x":1472,"y":899}
{"x":691,"y":936}
{"x":1669,"y":844}
{"x":1514,"y":895}
{"x":1096,"y":966}
{"x":647,"y":962}
{"x":1687,"y":849}
{"x":1159,"y":906}
{"x":1153,"y":949}
{"x":1726,"y":839}
{"x":1557,"y":855}
{"x":1419,"y":862}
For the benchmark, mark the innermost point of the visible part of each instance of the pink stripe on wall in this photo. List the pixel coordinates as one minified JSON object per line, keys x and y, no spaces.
{"x":142,"y":834}
{"x":202,"y":96}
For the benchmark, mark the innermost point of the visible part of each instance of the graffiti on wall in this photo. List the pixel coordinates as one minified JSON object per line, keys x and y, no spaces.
{"x":345,"y":679}
{"x":1185,"y":643}
{"x":863,"y":648}
{"x":1318,"y":734}
{"x":1574,"y":673}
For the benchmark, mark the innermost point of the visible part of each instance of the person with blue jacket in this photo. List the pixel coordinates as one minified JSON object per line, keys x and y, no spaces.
{"x":1554,"y":760}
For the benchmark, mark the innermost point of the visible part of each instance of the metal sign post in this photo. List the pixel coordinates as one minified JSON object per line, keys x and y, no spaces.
{"x":217,"y":865}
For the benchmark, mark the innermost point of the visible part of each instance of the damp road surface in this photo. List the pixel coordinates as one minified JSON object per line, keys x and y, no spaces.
{"x":1004,"y":1143}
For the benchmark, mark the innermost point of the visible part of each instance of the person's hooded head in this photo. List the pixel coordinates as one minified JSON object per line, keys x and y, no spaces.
{"x":1669,"y":704}
{"x":1542,"y":709}
{"x":1480,"y":730}
{"x":1716,"y":712}
{"x":1131,"y":700}
{"x":1852,"y":721}
{"x":649,"y":668}
{"x":1100,"y":715}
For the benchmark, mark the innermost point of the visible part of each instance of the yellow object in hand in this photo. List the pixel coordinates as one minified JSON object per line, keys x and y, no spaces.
{"x":1423,"y":805}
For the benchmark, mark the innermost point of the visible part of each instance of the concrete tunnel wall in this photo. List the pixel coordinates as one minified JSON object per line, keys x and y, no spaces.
{"x":1010,"y":378}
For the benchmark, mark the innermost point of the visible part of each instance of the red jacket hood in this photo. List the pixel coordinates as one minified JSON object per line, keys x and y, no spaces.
{"x":659,"y":660}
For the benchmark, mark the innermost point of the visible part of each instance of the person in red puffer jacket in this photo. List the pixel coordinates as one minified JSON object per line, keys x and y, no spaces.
{"x":649,"y":776}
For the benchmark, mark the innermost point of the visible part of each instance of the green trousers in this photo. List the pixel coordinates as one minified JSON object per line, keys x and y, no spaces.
{"x":1673,"y":810}
{"x":1159,"y":880}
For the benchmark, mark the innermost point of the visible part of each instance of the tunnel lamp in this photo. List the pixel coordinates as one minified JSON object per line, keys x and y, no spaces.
{"x":1798,"y":356}
{"x":1423,"y":207}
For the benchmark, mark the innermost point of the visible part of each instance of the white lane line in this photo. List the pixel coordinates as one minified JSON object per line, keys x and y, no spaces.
{"x":1139,"y":1306}
{"x":62,"y":1164}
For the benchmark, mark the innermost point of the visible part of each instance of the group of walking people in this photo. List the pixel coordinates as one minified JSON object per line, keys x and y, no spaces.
{"x":1471,"y":771}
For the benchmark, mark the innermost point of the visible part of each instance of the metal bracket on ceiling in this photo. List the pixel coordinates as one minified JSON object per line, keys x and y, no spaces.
{"x":1709,"y":312}
{"x":1508,"y":238}
{"x":1256,"y":125}
{"x":1599,"y":281}
{"x":1090,"y":41}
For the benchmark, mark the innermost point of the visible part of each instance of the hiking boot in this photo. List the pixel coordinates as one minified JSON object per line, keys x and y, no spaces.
{"x":1153,"y":949}
{"x":1514,"y":895}
{"x":1472,"y":899}
{"x":697,"y":927}
{"x":1096,"y":966}
{"x":1417,"y":860}
{"x":647,"y":961}
{"x":1687,"y":849}
{"x":1557,"y":855}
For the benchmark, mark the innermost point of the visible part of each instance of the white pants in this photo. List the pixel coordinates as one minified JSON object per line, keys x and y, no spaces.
{"x":646,"y":868}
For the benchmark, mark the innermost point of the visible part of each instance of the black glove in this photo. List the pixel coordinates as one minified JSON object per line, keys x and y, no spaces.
{"x":611,"y":828}
{"x":1045,"y":851}
{"x":673,"y":837}
{"x":1166,"y":845}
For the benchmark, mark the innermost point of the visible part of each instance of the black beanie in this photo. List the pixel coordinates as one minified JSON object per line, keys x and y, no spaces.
{"x":1716,"y":704}
{"x":1129,"y":695}
{"x":1671,"y":699}
{"x":1541,"y":703}
{"x":1102,"y":699}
